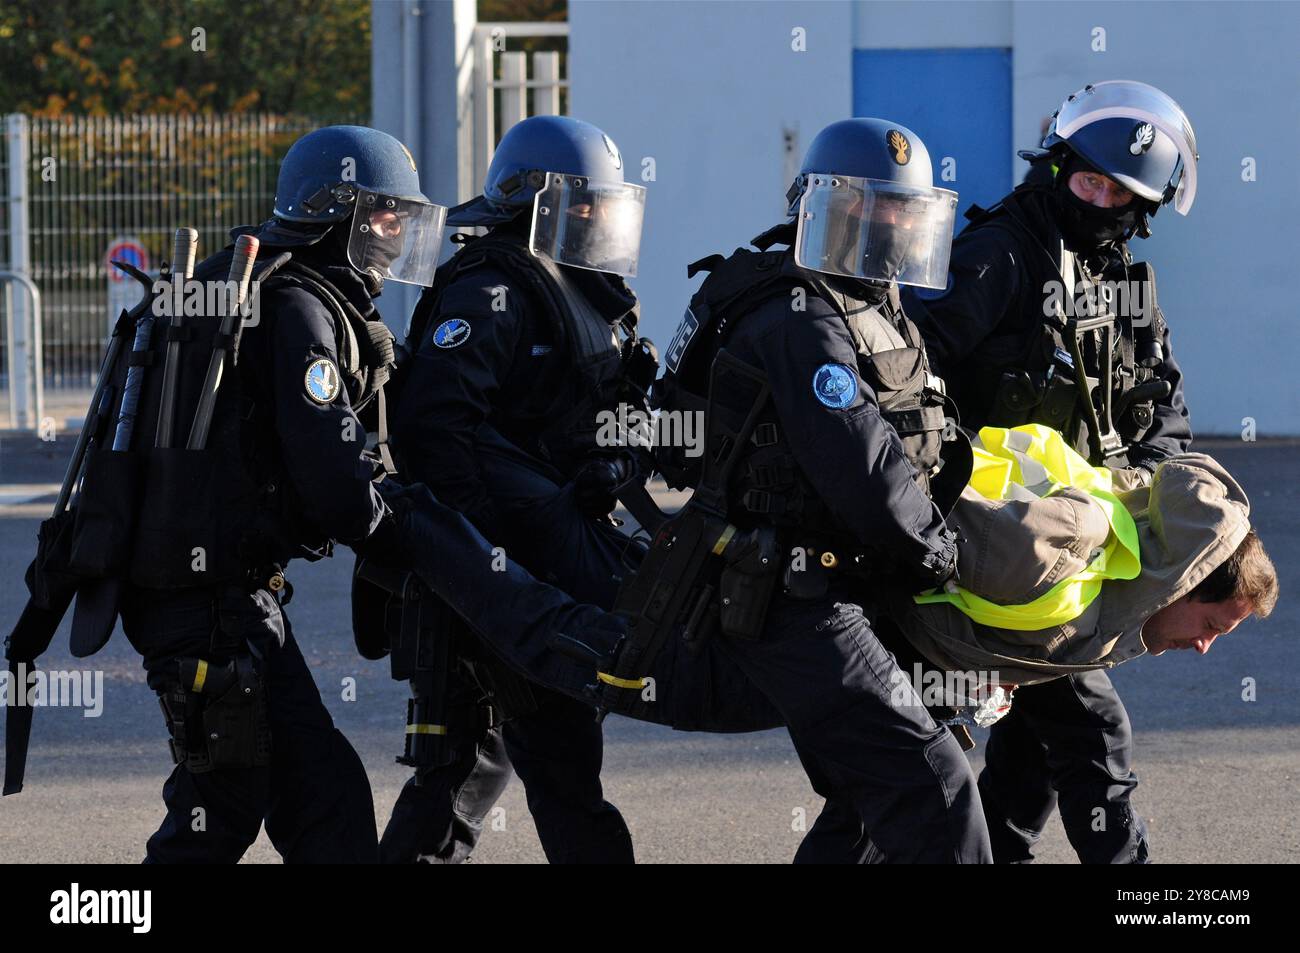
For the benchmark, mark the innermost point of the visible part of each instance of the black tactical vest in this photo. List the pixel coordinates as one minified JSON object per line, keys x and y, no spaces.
{"x":589,"y":339}
{"x":767,"y":482}
{"x":1016,"y":377}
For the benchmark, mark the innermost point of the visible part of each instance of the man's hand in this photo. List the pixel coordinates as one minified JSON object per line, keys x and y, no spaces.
{"x":595,"y":484}
{"x":938,"y":568}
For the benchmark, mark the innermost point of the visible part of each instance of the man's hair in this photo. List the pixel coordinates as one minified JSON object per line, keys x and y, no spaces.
{"x":1247,"y":574}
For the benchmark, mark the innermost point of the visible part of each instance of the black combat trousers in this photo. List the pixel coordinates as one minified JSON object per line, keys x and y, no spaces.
{"x":1066,"y":743}
{"x":556,"y":750}
{"x":862,"y":733}
{"x":313,"y":796}
{"x":864,"y":738}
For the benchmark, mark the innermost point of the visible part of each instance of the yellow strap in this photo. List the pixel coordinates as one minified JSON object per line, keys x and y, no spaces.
{"x":426,"y":729}
{"x":1038,"y":458}
{"x":200,"y":676}
{"x":608,"y":679}
{"x":725,"y":538}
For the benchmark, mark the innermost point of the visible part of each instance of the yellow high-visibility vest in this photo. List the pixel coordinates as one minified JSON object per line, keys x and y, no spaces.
{"x":1038,"y":459}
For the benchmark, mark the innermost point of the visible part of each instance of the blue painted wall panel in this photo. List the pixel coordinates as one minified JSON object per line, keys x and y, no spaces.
{"x":957,"y":100}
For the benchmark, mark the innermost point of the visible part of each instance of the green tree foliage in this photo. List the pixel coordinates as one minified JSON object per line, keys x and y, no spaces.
{"x":533,"y":11}
{"x":100,"y":57}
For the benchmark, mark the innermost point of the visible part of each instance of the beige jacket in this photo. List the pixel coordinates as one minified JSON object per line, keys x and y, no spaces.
{"x":1190,"y":520}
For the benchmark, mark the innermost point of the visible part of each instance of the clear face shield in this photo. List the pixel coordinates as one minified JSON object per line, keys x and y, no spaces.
{"x":1129,"y":99}
{"x":396,"y":238}
{"x":868,"y":228}
{"x":597,"y":227}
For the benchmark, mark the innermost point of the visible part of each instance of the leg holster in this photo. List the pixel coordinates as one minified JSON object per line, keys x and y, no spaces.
{"x":216,"y":713}
{"x":456,"y":696}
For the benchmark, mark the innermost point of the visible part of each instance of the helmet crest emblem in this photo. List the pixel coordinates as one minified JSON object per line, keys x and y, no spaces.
{"x":902,"y":148}
{"x":613,"y":152}
{"x":1143,"y":135}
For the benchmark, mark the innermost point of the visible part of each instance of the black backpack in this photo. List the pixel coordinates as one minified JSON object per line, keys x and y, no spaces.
{"x":178,"y":509}
{"x":736,"y":285}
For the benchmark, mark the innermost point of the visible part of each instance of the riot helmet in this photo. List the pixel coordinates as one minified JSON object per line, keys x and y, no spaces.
{"x":1131,"y":133}
{"x":568,"y":176}
{"x":364,"y":181}
{"x":865,"y":206}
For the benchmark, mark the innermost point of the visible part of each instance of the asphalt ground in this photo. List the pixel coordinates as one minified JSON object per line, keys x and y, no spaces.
{"x":1220,"y":774}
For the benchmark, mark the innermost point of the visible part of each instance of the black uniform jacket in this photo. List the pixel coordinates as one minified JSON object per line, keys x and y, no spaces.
{"x":990,"y":317}
{"x":851,"y":456}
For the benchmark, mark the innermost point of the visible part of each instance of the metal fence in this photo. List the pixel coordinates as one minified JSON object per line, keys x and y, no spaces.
{"x":92,"y":180}
{"x":71,"y":187}
{"x":505,"y":90}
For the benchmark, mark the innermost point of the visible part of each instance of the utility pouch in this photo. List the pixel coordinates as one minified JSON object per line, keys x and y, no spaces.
{"x":1016,"y":399}
{"x":1060,"y":398}
{"x":748,"y":578}
{"x":105,"y":513}
{"x":49,"y":579}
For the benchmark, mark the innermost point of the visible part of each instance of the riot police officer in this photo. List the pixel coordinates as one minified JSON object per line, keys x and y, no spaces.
{"x":253,"y":741}
{"x":1046,"y":318}
{"x":825,"y":432}
{"x":527,"y":335}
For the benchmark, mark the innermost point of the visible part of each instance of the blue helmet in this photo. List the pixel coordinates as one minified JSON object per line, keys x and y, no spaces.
{"x":323,"y":170}
{"x":866,"y":149}
{"x":865,"y":206}
{"x":529,"y":150}
{"x":367,"y":178}
{"x":1132,"y":133}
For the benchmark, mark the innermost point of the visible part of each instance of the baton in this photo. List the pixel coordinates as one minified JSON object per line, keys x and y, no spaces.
{"x":241,"y":266}
{"x":184,"y":249}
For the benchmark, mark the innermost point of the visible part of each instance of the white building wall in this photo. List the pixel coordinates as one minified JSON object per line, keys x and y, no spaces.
{"x":706,"y":89}
{"x":1226,"y":272}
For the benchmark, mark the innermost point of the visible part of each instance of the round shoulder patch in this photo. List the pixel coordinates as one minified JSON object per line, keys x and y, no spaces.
{"x":322,"y":381}
{"x":835,"y":385}
{"x":451,"y":333}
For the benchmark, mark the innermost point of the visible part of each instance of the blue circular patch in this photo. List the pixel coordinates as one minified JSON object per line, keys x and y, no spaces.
{"x":835,"y":386}
{"x":322,"y":381}
{"x":451,"y":333}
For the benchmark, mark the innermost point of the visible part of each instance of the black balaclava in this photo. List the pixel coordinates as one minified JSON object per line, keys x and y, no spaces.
{"x":372,"y":269}
{"x":382,"y":252}
{"x":331,"y":251}
{"x":606,"y":291}
{"x":1084,"y":226}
